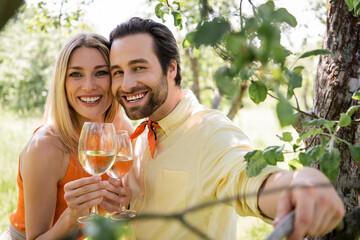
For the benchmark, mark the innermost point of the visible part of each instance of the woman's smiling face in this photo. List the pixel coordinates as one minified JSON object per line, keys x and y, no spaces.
{"x":88,"y":84}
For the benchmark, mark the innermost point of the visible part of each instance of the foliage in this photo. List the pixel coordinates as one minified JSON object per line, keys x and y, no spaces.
{"x":253,"y":52}
{"x":325,"y":154}
{"x":354,"y":5}
{"x":27,"y":61}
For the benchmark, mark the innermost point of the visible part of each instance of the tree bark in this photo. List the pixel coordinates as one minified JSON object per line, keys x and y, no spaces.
{"x":338,"y":77}
{"x":195,"y":71}
{"x":237,"y":101}
{"x":8,"y":9}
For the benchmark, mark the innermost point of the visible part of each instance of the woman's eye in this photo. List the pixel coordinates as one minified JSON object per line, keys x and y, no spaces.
{"x":75,"y":74}
{"x":101,"y":73}
{"x":116,"y":73}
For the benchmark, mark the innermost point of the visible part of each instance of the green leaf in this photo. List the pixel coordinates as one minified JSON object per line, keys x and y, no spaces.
{"x":255,"y":163}
{"x":189,"y":39}
{"x":294,"y":164}
{"x":295,"y":79}
{"x":316,"y":52}
{"x":298,"y":69}
{"x":226,"y":82}
{"x":282,"y":15}
{"x":352,"y":109}
{"x":312,"y":155}
{"x":357,"y":8}
{"x":177,"y":19}
{"x":317,"y":122}
{"x":306,"y":134}
{"x":257,"y":92}
{"x":355,"y":152}
{"x":158,"y":11}
{"x":273,"y":154}
{"x":211,"y":32}
{"x":295,"y":147}
{"x":284,"y":112}
{"x":103,"y":228}
{"x":286,"y":137}
{"x":344,"y":120}
{"x":356,"y":95}
{"x":329,"y":164}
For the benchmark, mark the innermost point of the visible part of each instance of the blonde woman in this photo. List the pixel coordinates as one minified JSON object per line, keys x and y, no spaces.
{"x":80,"y":91}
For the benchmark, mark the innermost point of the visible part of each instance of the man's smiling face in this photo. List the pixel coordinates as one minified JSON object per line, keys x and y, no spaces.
{"x":138,"y":82}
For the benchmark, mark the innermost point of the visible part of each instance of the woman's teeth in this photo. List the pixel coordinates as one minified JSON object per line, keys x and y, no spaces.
{"x":134,"y":98}
{"x":89,"y":99}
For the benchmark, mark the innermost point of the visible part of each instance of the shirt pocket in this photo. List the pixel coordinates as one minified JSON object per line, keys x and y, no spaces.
{"x":171,"y":190}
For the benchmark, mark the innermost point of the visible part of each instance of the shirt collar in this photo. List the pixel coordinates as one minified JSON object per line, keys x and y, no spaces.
{"x":180,"y":113}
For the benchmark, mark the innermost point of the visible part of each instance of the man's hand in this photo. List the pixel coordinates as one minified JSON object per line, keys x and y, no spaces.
{"x":317,"y":209}
{"x":116,"y":196}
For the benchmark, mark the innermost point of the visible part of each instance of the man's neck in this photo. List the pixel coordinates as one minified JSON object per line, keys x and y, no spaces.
{"x":172,"y":101}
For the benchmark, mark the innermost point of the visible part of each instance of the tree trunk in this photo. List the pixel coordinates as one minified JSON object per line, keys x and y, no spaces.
{"x":338,"y":77}
{"x":195,"y":71}
{"x":8,"y":9}
{"x":237,"y":101}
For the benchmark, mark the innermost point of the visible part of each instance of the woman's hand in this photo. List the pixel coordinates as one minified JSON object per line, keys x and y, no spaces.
{"x":84,"y":193}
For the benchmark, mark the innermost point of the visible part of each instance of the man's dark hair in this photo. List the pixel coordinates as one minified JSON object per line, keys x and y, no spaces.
{"x":165,"y":46}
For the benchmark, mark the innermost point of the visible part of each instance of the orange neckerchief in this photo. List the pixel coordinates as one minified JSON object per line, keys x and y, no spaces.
{"x":151,"y":135}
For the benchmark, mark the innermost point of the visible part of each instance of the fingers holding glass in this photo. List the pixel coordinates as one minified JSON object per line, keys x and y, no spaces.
{"x":121,"y":167}
{"x":97,"y":151}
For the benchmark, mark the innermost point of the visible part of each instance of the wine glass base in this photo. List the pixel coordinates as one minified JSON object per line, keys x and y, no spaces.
{"x":125,"y":215}
{"x":87,"y":219}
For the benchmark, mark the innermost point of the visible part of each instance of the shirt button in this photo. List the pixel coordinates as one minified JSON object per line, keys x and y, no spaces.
{"x":141,"y":197}
{"x":168,"y":131}
{"x":142,"y":170}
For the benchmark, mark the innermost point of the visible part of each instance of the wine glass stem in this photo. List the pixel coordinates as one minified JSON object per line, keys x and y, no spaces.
{"x":94,"y":210}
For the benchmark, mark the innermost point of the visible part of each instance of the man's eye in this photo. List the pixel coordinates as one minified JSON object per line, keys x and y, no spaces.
{"x":139,"y":68}
{"x":75,"y":74}
{"x":101,"y":73}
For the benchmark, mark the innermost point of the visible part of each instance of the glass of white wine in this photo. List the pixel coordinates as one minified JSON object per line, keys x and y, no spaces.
{"x":97,"y":151}
{"x":121,"y":167}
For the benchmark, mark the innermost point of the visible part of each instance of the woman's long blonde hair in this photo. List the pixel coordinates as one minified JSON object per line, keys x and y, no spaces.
{"x":58,"y":112}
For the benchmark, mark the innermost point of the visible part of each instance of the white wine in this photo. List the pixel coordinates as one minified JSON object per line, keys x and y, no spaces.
{"x":121,"y":167}
{"x":96,"y":162}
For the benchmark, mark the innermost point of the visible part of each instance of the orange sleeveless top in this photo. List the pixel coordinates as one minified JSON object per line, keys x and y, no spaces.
{"x":74,"y":172}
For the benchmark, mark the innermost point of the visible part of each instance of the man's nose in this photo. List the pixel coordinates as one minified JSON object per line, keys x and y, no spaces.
{"x":128,"y":83}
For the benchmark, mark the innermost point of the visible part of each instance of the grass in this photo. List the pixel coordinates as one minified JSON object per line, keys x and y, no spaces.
{"x":15,"y":132}
{"x":259,"y":123}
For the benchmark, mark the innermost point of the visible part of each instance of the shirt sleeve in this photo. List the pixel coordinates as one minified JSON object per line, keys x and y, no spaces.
{"x":223,"y":170}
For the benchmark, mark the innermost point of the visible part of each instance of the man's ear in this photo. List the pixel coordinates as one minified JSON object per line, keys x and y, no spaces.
{"x":172,"y":69}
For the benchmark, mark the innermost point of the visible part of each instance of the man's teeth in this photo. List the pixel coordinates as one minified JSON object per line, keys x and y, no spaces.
{"x":89,"y":99}
{"x":135,"y":97}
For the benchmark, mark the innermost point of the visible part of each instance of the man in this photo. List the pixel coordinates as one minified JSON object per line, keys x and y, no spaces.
{"x":196,"y":154}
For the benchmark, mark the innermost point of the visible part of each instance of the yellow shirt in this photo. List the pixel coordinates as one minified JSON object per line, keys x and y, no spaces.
{"x":199,"y":157}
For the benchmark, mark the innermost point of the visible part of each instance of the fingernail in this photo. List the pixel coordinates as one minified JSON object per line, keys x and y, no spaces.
{"x":276,"y":221}
{"x":105,"y":183}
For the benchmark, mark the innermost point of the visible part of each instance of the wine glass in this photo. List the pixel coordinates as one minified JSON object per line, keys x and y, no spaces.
{"x":97,"y":151}
{"x":121,"y":167}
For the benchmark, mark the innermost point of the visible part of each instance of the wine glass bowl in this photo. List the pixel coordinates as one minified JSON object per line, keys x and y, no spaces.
{"x":121,"y":167}
{"x":97,"y":151}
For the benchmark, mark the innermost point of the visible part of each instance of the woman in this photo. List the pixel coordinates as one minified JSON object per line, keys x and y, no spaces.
{"x":80,"y":92}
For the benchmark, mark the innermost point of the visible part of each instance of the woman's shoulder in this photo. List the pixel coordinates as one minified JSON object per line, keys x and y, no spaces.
{"x":45,"y":149}
{"x":45,"y":139}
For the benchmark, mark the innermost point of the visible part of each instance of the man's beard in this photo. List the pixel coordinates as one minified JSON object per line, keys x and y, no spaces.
{"x":157,"y":96}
